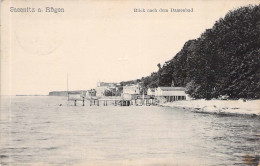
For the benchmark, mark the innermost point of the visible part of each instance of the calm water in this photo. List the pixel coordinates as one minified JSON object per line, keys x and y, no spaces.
{"x":36,"y":131}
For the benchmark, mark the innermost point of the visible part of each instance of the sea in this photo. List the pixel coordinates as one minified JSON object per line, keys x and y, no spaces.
{"x":46,"y":130}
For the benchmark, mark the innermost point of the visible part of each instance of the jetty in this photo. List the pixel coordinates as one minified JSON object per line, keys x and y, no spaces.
{"x":112,"y":100}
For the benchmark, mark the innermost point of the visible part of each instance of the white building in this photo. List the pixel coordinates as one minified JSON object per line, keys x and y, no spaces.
{"x":100,"y":91}
{"x":133,"y":89}
{"x":106,"y":84}
{"x":151,"y":91}
{"x":171,"y":93}
{"x":126,"y":96}
{"x":90,"y":93}
{"x":103,"y":86}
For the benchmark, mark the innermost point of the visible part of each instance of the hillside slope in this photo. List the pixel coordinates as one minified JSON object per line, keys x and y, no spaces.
{"x":224,"y":60}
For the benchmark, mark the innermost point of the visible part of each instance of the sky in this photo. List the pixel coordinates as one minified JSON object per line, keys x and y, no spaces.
{"x":95,"y":41}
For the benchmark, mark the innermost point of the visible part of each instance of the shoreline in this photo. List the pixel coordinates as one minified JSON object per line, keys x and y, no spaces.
{"x":221,"y":107}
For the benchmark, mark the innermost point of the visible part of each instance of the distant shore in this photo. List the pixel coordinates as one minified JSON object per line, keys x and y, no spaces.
{"x":240,"y":107}
{"x":31,"y":95}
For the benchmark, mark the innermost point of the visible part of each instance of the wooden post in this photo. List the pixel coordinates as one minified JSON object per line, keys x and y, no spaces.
{"x":83,"y":102}
{"x":75,"y":103}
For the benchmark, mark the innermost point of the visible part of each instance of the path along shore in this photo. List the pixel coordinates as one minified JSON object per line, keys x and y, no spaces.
{"x":249,"y":107}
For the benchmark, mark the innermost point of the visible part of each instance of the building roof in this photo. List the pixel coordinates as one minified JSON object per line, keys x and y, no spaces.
{"x":91,"y":90}
{"x":128,"y":85}
{"x":152,"y":89}
{"x":172,"y":88}
{"x":106,"y":84}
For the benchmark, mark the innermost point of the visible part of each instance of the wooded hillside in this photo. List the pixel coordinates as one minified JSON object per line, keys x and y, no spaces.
{"x":224,"y":60}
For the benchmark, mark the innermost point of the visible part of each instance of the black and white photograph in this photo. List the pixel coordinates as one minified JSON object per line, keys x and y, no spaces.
{"x":130,"y":83}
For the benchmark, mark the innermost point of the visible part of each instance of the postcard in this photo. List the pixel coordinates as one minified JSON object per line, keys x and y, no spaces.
{"x":149,"y":82}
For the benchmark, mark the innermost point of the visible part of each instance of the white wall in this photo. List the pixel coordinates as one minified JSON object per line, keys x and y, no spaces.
{"x":171,"y":93}
{"x":133,"y":89}
{"x":101,"y":90}
{"x":149,"y":92}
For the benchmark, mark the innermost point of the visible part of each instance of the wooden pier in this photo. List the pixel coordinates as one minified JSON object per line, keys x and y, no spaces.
{"x":113,"y":101}
{"x":116,"y":101}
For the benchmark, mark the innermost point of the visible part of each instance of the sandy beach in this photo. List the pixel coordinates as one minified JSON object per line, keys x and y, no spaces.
{"x":249,"y":107}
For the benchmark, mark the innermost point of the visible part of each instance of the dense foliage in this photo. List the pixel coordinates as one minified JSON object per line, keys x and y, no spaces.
{"x":224,"y":60}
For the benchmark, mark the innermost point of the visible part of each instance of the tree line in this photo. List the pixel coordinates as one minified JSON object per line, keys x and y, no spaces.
{"x":224,"y":60}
